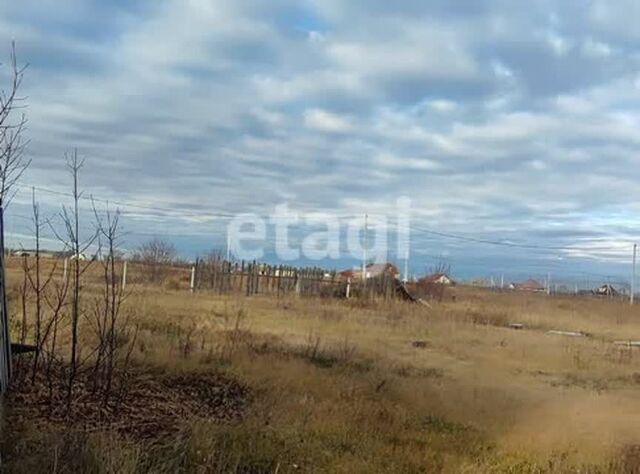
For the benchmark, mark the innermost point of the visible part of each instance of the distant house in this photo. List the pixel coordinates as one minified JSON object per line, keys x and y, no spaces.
{"x":32,"y":253}
{"x":437,"y":279}
{"x":372,"y":270}
{"x":81,"y":257}
{"x":605,"y":290}
{"x":528,"y":285}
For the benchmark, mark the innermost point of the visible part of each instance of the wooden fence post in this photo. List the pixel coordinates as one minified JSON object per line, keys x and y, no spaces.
{"x":297,"y":282}
{"x":232,"y":276}
{"x":279,"y":282}
{"x":124,"y":274}
{"x":256,"y":278}
{"x":249,"y":268}
{"x":196,"y":274}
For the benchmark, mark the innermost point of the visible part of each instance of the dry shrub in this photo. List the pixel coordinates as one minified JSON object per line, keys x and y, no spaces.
{"x":430,"y":291}
{"x":486,"y":316}
{"x":172,"y":283}
{"x":154,"y":404}
{"x":628,"y":461}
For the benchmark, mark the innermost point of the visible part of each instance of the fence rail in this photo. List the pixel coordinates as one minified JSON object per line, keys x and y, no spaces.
{"x":228,"y":277}
{"x":252,"y":278}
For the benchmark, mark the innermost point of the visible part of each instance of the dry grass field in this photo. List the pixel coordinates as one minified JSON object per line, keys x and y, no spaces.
{"x":325,"y":385}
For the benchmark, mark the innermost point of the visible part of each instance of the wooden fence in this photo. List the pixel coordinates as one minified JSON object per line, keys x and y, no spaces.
{"x":252,"y":278}
{"x":225,"y":277}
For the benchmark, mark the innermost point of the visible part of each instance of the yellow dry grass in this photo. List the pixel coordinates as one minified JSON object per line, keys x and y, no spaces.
{"x":342,"y":386}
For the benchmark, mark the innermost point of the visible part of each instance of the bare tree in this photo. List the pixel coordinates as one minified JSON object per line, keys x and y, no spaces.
{"x":38,"y":283}
{"x":441,"y":267}
{"x":430,"y":287}
{"x":210,"y":267}
{"x":12,"y":165}
{"x":156,"y":254}
{"x":111,"y":325}
{"x":73,"y":241}
{"x":12,"y":127}
{"x":56,"y":300}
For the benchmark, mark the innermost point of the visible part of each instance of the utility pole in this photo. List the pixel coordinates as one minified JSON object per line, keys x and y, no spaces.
{"x":548,"y":283}
{"x":502,"y":281}
{"x":633,"y":274}
{"x":228,"y":246}
{"x":406,"y":265}
{"x":406,"y":270}
{"x":364,"y":250}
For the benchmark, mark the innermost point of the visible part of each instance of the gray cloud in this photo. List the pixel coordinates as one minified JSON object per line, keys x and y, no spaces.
{"x":513,"y":119}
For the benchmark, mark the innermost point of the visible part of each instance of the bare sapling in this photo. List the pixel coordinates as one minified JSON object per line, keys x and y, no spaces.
{"x":56,"y":300}
{"x":77,"y":245}
{"x":12,"y":165}
{"x":13,"y":124}
{"x":156,"y":255}
{"x":24,"y":297}
{"x":38,"y":284}
{"x":435,"y":290}
{"x":111,"y":324}
{"x":211,"y":268}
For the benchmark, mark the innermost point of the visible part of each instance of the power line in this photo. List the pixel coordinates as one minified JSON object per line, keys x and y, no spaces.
{"x":503,"y":243}
{"x":120,"y":203}
{"x":415,"y":229}
{"x":179,"y":210}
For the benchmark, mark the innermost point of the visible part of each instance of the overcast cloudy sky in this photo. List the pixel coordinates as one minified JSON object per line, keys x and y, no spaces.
{"x":501,"y":120}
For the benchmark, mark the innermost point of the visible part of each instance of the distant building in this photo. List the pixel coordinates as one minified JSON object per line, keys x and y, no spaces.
{"x":605,"y":290}
{"x":437,"y":279}
{"x":528,"y":285}
{"x":372,"y":270}
{"x":32,"y":253}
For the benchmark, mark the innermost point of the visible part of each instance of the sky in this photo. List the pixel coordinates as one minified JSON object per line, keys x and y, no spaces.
{"x":512,"y":122}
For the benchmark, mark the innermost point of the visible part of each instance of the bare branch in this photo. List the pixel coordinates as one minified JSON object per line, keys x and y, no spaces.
{"x":12,"y":129}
